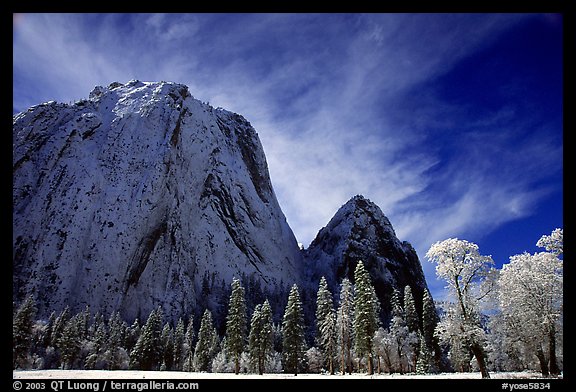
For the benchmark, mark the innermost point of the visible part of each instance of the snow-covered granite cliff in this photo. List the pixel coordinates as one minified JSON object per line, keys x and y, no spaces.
{"x":124,"y":201}
{"x":360,"y":231}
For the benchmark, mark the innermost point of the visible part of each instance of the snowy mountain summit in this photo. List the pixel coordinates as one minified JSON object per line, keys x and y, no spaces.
{"x":142,"y":196}
{"x":360,"y":231}
{"x":125,"y":201}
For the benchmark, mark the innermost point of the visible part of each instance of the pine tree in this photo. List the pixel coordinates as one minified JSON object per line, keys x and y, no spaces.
{"x":236,"y":324}
{"x":429,"y":323}
{"x":397,"y":332}
{"x":411,"y":315}
{"x":261,"y":336}
{"x":266,"y":334}
{"x":116,"y":352}
{"x":132,"y":335}
{"x":22,"y":332}
{"x":98,"y":320}
{"x":99,"y":344}
{"x":179,"y":345}
{"x":167,"y":347}
{"x":216,"y":345}
{"x":326,"y":324}
{"x":365,"y":314}
{"x":413,"y":324}
{"x":147,"y":353}
{"x":84,"y":322}
{"x":424,"y":358}
{"x":344,"y":326}
{"x":46,"y":339}
{"x":293,"y":343}
{"x":54,"y":358}
{"x":58,"y":326}
{"x":189,"y":346}
{"x":254,"y":338}
{"x":429,"y":318}
{"x":396,"y":300}
{"x":204,"y":352}
{"x":70,"y":340}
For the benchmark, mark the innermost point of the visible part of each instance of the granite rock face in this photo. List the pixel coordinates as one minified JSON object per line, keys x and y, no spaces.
{"x":360,"y":231}
{"x":124,"y":201}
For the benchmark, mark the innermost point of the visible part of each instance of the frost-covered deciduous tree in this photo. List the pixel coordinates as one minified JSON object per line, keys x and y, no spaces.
{"x":221,"y":362}
{"x":530,"y":292}
{"x":236,"y":324}
{"x":385,"y":350}
{"x":402,"y":342}
{"x":382,"y":350}
{"x":365,"y":315}
{"x":512,"y":346}
{"x":397,"y":342}
{"x":449,"y":331}
{"x":553,"y":243}
{"x":326,"y":335}
{"x":293,"y":342}
{"x":461,"y":265}
{"x":344,"y":325}
{"x":315,"y":360}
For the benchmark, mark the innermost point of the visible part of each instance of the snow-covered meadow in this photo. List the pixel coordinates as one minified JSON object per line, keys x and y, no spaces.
{"x":145,"y":375}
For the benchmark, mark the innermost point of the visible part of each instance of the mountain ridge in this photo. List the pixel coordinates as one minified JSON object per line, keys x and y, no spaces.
{"x":143,"y":196}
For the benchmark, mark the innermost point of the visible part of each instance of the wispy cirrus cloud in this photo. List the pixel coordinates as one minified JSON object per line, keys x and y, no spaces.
{"x":344,"y":104}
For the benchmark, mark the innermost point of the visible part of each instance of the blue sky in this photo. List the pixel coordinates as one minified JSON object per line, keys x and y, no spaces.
{"x":451,"y":123}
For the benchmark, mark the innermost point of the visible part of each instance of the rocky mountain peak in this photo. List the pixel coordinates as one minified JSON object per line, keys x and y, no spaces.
{"x":363,"y":213}
{"x":360,"y":231}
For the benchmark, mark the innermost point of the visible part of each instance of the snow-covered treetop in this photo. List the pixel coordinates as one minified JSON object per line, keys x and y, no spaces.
{"x":459,"y":262}
{"x":553,"y":242}
{"x":532,"y":282}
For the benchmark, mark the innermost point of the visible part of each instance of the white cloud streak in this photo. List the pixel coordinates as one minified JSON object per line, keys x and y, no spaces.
{"x":324,"y":93}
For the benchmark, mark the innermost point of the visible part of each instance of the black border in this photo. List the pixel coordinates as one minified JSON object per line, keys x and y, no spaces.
{"x":550,"y":6}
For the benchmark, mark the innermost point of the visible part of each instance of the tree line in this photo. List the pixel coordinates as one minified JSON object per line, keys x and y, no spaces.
{"x":522,"y":331}
{"x":348,"y":337}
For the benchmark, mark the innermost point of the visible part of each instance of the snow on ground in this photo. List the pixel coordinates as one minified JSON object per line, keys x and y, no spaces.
{"x":145,"y":375}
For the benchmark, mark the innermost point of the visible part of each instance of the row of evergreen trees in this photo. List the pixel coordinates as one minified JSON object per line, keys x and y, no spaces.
{"x":348,"y":337}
